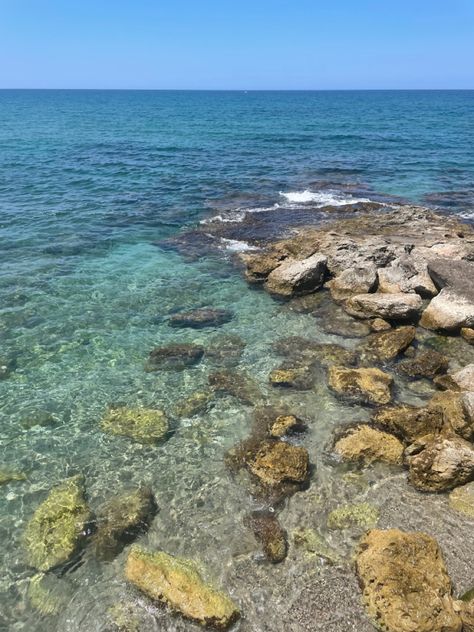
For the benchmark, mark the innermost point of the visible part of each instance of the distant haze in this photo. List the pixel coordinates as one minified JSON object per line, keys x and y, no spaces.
{"x":244,"y":44}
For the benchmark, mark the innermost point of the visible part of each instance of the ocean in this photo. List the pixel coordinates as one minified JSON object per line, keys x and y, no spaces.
{"x":94,"y":188}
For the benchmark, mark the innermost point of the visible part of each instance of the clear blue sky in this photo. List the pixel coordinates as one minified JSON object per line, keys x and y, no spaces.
{"x":242,"y":44}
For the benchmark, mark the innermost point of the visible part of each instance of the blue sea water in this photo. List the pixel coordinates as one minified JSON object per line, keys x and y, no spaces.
{"x":92,"y":183}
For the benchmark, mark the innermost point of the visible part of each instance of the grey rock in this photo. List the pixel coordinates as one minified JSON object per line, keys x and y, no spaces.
{"x":295,"y":276}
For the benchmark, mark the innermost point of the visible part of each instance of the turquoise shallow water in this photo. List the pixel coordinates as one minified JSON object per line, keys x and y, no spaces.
{"x":91,"y":183}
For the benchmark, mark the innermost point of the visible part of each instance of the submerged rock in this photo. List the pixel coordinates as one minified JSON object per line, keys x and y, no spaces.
{"x":362,"y":515}
{"x":121,"y":520}
{"x":398,"y":306}
{"x":237,"y":384}
{"x":462,"y":499}
{"x":368,"y":445}
{"x":286,"y":425}
{"x":409,"y":422}
{"x":225,"y":350}
{"x":8,"y":476}
{"x":40,"y":418}
{"x":297,"y":377}
{"x":196,"y":403}
{"x":405,"y":584}
{"x":353,"y":281}
{"x":48,"y":594}
{"x":308,"y":352}
{"x":58,"y":527}
{"x":174,"y":357}
{"x":428,"y":363}
{"x":6,"y":367}
{"x":176,"y":582}
{"x":144,"y":425}
{"x":314,"y":544}
{"x":388,"y":344}
{"x":276,"y":462}
{"x":366,"y":385}
{"x":439,"y":464}
{"x":270,"y":534}
{"x":297,"y":276}
{"x":199,"y":318}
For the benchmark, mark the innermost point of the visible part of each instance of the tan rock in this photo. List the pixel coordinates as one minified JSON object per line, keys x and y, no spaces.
{"x":369,"y":385}
{"x":353,"y":281}
{"x":277,"y":462}
{"x":456,"y":410}
{"x":397,"y":306}
{"x":409,"y":422}
{"x":468,"y":334}
{"x":368,"y":445}
{"x":449,"y":311}
{"x":405,"y":584}
{"x":462,"y":499}
{"x":285,"y":425}
{"x":464,"y":378}
{"x":379,"y":324}
{"x":388,"y":344}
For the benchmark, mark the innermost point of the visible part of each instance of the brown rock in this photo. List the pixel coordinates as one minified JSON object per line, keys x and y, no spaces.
{"x":405,"y":584}
{"x":457,"y":412}
{"x":237,"y":384}
{"x":297,"y":377}
{"x":368,"y":445}
{"x":379,"y":324}
{"x":285,"y":425}
{"x":277,"y":461}
{"x":368,"y":385}
{"x":174,"y":357}
{"x":427,"y":364}
{"x":409,"y":422}
{"x":388,"y":344}
{"x":468,"y":334}
{"x":270,"y":534}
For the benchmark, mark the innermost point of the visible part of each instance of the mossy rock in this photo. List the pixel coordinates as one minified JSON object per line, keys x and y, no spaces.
{"x":177,"y":583}
{"x":8,"y":476}
{"x":365,"y":385}
{"x":196,"y":403}
{"x":363,"y":515}
{"x":270,"y":534}
{"x":314,"y":544}
{"x":57,"y":529}
{"x":368,"y":445}
{"x":48,"y":594}
{"x":144,"y":425}
{"x":124,"y":617}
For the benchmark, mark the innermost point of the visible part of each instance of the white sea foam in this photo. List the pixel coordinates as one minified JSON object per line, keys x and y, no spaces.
{"x":321,"y":198}
{"x":234,"y":245}
{"x":238,"y":214}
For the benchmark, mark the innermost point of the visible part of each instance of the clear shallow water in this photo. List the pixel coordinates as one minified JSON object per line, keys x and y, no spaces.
{"x":90,"y":183}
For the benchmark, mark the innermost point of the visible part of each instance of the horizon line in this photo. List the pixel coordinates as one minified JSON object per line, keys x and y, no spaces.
{"x":246,"y":89}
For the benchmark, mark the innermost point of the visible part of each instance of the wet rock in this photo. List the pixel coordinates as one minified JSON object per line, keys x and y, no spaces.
{"x":305,"y":350}
{"x":445,"y":383}
{"x":409,"y":422}
{"x":368,"y":445}
{"x":295,"y":276}
{"x":40,"y":418}
{"x":366,"y":385}
{"x":297,"y":377}
{"x":314,"y":544}
{"x":225,"y":350}
{"x":449,"y":312}
{"x":388,"y":344}
{"x":428,"y":364}
{"x":144,"y":425}
{"x":353,"y":281}
{"x":7,"y":475}
{"x":286,"y":425}
{"x":464,"y":379}
{"x":196,"y":403}
{"x":58,"y":527}
{"x":121,"y":520}
{"x":397,"y":307}
{"x":362,"y":515}
{"x":456,"y":411}
{"x":404,"y":582}
{"x":125,"y":617}
{"x":176,"y":583}
{"x":439,"y":464}
{"x":276,"y":462}
{"x":237,"y":384}
{"x":174,"y":357}
{"x":468,"y":334}
{"x":379,"y":324}
{"x":466,"y":611}
{"x":462,"y":499}
{"x":48,"y":594}
{"x":270,"y":534}
{"x":199,"y":318}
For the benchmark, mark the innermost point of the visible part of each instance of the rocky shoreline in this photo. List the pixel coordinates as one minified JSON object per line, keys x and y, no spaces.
{"x":398,"y":281}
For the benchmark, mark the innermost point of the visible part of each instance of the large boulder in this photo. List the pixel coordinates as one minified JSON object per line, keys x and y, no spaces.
{"x":199,"y":318}
{"x":295,"y":276}
{"x":366,"y":385}
{"x":439,"y":464}
{"x":405,"y":584}
{"x":121,"y":520}
{"x":353,"y":281}
{"x":368,"y":445}
{"x":58,"y":527}
{"x":397,"y":306}
{"x":388,"y":344}
{"x":177,"y":583}
{"x":174,"y":357}
{"x":143,"y":425}
{"x":407,"y":274}
{"x":449,"y":311}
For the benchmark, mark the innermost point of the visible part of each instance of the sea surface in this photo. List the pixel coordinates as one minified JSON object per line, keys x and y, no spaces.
{"x":94,"y":186}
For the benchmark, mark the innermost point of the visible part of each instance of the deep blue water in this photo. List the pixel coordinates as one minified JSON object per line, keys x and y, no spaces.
{"x":90,"y":181}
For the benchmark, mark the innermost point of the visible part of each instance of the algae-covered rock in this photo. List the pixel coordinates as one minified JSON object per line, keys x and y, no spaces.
{"x":363,"y":515}
{"x":297,"y":377}
{"x":388,"y":344}
{"x":124,"y":617}
{"x":286,"y":424}
{"x":7,"y":475}
{"x":439,"y":464}
{"x":237,"y":384}
{"x":194,"y":404}
{"x":409,"y":422}
{"x":462,"y":499}
{"x":456,"y":410}
{"x":366,"y":385}
{"x":277,"y":461}
{"x":405,"y":584}
{"x":174,"y":357}
{"x":144,"y":425}
{"x":270,"y":534}
{"x":41,"y":418}
{"x":314,"y":544}
{"x":199,"y":318}
{"x":368,"y":445}
{"x":225,"y":350}
{"x":58,"y":527}
{"x":121,"y":520}
{"x":467,"y":615}
{"x":48,"y":594}
{"x":427,"y":364}
{"x":176,"y":583}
